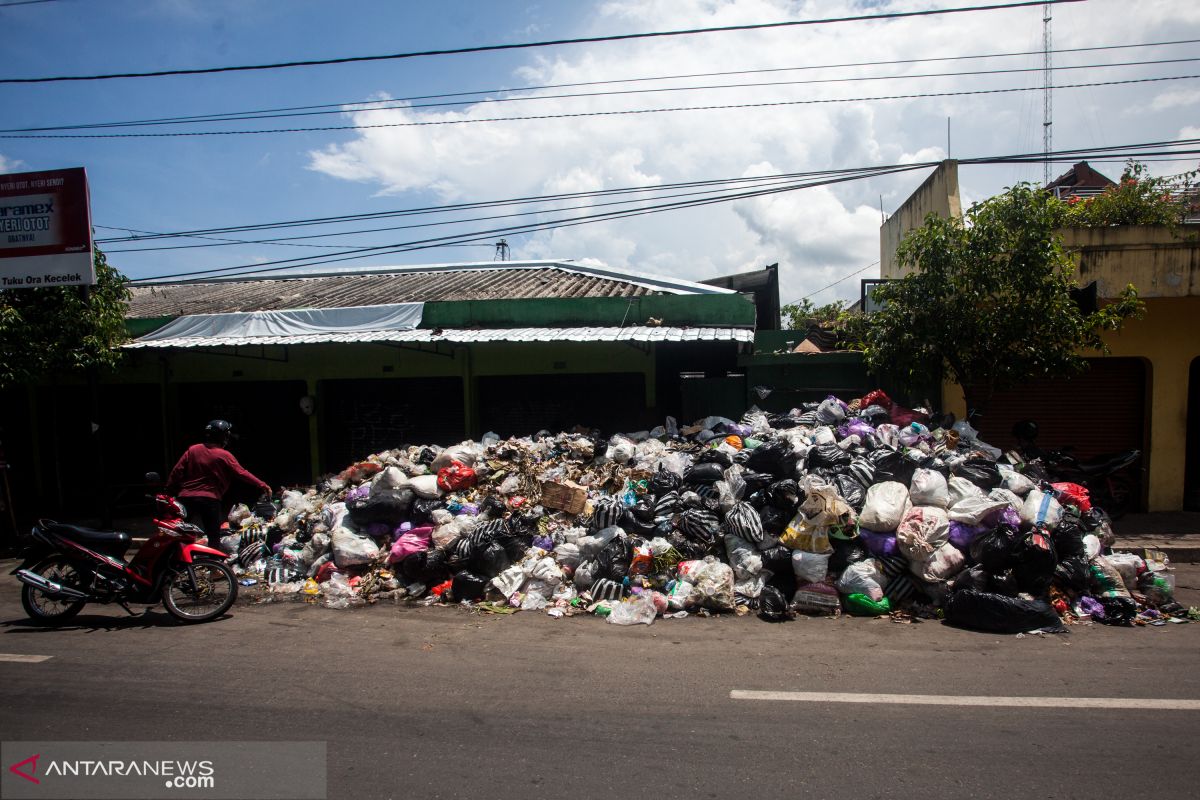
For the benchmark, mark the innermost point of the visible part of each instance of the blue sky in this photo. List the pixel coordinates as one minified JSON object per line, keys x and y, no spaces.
{"x":816,"y":235}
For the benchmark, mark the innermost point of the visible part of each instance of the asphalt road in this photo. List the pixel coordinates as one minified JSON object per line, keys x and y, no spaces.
{"x":440,"y":702}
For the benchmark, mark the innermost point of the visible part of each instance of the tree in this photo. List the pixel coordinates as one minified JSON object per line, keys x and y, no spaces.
{"x":989,"y":302}
{"x":49,"y":330}
{"x":1139,"y":199}
{"x":796,"y":316}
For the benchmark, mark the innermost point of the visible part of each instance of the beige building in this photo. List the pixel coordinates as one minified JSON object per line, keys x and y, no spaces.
{"x":1146,"y":393}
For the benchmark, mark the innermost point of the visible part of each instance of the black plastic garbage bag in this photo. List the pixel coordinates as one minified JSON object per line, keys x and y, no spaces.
{"x":782,"y":422}
{"x":986,"y":611}
{"x":996,"y":549}
{"x":713,"y":456}
{"x":1036,"y":561}
{"x":643,"y":510}
{"x":828,"y":455}
{"x":490,"y":560}
{"x":891,"y":465}
{"x":664,"y":481}
{"x":606,"y":512}
{"x":1068,"y":539}
{"x":704,"y":473}
{"x":460,"y":553}
{"x":633,"y":523}
{"x":468,"y":586}
{"x":773,"y":606}
{"x":1072,"y":573}
{"x":614,"y":558}
{"x":775,"y":457}
{"x":492,"y":506}
{"x":847,"y":552}
{"x":413,"y":566}
{"x":774,"y":520}
{"x":1117,"y":611}
{"x":976,"y":579}
{"x":851,"y":491}
{"x":777,"y":558}
{"x":756,"y":481}
{"x":687,"y":548}
{"x":422,"y":510}
{"x":981,"y":472}
{"x":784,"y":495}
{"x":700,"y":526}
{"x":389,"y":506}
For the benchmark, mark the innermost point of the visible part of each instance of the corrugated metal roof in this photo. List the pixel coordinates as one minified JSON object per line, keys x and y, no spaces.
{"x":500,"y":281}
{"x":633,"y":333}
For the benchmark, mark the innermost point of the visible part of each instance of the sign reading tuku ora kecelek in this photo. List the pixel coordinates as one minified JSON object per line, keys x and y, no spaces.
{"x":45,"y":230}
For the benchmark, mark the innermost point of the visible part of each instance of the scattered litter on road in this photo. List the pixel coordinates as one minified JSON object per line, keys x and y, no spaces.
{"x":866,"y":508}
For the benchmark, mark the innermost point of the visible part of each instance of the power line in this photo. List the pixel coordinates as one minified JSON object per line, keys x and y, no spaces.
{"x":293,"y":263}
{"x":287,"y":240}
{"x":1151,"y":148}
{"x":835,"y":283}
{"x":471,"y":205}
{"x":528,"y":45}
{"x":580,"y":114}
{"x":407,"y":104}
{"x":25,"y":3}
{"x":340,"y":107}
{"x":1146,"y":150}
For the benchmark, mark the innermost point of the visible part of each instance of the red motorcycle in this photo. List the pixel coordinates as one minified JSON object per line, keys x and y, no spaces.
{"x":69,"y":566}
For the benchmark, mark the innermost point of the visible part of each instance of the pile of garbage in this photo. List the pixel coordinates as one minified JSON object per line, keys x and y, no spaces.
{"x":866,"y":507}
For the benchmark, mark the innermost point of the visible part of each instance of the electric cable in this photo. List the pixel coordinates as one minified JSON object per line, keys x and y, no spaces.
{"x":548,"y":43}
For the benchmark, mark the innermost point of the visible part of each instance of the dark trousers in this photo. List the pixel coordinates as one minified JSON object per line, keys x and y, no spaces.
{"x":205,"y":512}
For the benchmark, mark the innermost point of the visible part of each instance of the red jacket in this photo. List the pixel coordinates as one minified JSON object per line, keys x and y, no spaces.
{"x":207,"y":470}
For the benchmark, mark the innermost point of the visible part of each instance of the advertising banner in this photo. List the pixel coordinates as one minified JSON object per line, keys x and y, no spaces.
{"x":45,"y":230}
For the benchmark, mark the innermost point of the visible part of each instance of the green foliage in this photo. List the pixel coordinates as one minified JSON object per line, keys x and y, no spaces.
{"x":49,"y":330}
{"x":989,"y":301}
{"x":796,"y":316}
{"x":1137,"y":200}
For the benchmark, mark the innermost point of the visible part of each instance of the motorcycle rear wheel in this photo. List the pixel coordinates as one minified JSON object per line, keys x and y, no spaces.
{"x":215,"y":592}
{"x":48,"y":610}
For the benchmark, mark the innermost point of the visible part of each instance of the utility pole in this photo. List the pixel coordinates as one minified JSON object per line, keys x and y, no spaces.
{"x":502,"y":251}
{"x":1047,"y":95}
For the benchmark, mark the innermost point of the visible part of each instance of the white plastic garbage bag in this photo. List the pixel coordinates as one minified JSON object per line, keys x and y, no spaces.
{"x":809,"y":567}
{"x":928,"y":488}
{"x":885,"y":506}
{"x":973,"y":510}
{"x":1041,"y":508}
{"x":960,"y":489}
{"x":1014,"y":481}
{"x":743,"y":557}
{"x":350,"y":549}
{"x":636,"y":610}
{"x":862,"y":577}
{"x":939,"y":566}
{"x":923,"y":530}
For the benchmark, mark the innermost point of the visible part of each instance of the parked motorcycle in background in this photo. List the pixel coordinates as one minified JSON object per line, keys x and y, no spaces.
{"x":1107,"y":478}
{"x":68,"y":566}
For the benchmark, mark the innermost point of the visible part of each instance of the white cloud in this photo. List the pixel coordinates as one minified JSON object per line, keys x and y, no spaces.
{"x":1176,"y":99}
{"x":10,"y":164}
{"x":817,"y":235}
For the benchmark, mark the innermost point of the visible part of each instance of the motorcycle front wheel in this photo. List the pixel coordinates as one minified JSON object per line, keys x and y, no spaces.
{"x":211,"y":594}
{"x":49,"y":610}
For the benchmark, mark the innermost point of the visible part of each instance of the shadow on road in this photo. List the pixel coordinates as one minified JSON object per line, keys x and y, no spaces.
{"x":97,"y":622}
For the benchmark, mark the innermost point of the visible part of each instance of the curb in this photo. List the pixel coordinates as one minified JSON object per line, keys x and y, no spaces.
{"x":1178,"y":552}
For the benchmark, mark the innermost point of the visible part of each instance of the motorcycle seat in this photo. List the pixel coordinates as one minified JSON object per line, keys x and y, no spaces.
{"x":1103,"y":465}
{"x":113,"y":543}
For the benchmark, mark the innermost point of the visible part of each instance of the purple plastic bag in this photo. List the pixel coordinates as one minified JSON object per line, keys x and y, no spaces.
{"x":544,"y":542}
{"x":881,"y":545}
{"x":376,"y":529}
{"x":1090,"y":605}
{"x":359,"y":492}
{"x":961,"y":534}
{"x":859,"y":427}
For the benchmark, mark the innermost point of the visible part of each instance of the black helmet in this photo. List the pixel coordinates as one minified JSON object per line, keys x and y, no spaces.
{"x":1025,"y":431}
{"x":218,"y":430}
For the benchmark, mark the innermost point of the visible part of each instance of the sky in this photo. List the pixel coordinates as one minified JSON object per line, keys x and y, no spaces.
{"x":825,"y":239}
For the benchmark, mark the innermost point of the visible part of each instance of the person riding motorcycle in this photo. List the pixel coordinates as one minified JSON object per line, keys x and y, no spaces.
{"x":204,"y":474}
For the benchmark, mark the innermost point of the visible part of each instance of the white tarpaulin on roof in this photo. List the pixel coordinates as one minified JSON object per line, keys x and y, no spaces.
{"x":298,"y":322}
{"x":633,"y":333}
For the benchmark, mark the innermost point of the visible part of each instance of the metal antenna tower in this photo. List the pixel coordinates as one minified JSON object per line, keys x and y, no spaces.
{"x":1047,"y":93}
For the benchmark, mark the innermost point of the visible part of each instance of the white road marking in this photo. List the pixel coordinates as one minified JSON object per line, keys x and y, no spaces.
{"x":23,"y":658}
{"x":1151,"y":703}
